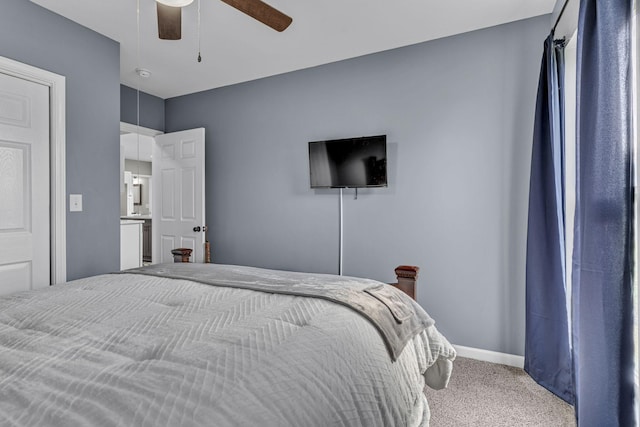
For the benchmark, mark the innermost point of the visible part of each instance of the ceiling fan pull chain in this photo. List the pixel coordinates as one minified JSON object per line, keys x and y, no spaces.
{"x":199,"y":57}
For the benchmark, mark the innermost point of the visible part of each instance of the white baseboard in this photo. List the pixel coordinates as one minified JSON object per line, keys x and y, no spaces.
{"x":490,"y":356}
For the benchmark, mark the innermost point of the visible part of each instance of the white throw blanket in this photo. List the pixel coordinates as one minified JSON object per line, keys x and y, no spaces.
{"x":134,"y":350}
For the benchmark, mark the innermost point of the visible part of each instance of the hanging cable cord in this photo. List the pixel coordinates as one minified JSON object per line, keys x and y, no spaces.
{"x":199,"y":38}
{"x":138,"y":68}
{"x":138,"y":91}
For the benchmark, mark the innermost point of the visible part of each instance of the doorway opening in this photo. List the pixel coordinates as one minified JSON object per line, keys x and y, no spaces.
{"x":136,"y":195}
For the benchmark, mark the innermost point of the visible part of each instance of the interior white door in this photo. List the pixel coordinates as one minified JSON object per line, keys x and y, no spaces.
{"x":178,"y":194}
{"x":24,"y":185}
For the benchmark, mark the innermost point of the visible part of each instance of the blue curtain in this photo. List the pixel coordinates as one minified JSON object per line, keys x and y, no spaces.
{"x":547,"y":352}
{"x":602,"y":259}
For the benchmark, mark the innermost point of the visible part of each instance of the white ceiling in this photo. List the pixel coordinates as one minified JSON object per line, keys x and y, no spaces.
{"x":236,"y":48}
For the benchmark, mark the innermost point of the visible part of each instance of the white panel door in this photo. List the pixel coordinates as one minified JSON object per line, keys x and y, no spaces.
{"x":24,"y":185}
{"x":178,"y":194}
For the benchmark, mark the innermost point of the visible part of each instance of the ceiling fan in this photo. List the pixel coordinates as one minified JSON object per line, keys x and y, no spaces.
{"x":170,"y":15}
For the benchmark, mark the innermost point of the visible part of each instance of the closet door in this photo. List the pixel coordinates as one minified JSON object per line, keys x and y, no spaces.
{"x":24,"y":185}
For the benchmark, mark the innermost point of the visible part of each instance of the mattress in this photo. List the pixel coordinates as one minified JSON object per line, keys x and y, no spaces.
{"x":144,"y":350}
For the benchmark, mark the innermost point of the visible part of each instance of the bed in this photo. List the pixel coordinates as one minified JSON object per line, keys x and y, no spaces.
{"x":218,"y":345}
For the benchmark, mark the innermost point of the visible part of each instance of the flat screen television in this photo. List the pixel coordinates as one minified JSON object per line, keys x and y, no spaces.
{"x":349,"y":163}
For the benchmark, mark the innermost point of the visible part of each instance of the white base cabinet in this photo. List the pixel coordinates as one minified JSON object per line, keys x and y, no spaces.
{"x":130,"y":244}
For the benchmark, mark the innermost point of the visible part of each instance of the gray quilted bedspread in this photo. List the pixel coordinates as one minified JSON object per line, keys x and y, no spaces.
{"x":393,"y":313}
{"x":140,"y":350}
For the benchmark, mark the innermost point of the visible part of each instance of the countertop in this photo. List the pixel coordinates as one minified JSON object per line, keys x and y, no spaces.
{"x":131,"y":221}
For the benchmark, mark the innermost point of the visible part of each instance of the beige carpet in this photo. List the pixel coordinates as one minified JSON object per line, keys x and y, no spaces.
{"x":487,"y":394}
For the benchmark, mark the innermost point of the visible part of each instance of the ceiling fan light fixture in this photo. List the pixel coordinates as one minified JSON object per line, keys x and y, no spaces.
{"x":175,"y":3}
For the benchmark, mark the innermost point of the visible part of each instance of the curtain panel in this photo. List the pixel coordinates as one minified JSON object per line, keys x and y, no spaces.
{"x":602,"y":259}
{"x":547,"y":351}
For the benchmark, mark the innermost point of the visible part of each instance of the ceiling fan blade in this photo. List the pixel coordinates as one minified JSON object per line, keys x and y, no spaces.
{"x":169,"y":22}
{"x":262,"y":12}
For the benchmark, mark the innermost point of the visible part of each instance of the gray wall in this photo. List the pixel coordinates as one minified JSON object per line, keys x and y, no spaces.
{"x":91,"y":64}
{"x":151,"y":108}
{"x":458,"y":113}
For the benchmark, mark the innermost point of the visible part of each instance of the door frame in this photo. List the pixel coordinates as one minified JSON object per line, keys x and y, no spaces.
{"x":57,"y":159}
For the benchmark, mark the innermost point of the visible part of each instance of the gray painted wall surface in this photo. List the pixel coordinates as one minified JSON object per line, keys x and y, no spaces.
{"x":458,"y":113}
{"x":151,"y":108}
{"x":91,"y":64}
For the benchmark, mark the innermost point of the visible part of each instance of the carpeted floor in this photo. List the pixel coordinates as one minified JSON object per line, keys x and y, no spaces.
{"x":486,"y":394}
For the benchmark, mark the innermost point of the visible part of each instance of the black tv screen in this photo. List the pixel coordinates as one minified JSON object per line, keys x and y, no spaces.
{"x":351,"y":162}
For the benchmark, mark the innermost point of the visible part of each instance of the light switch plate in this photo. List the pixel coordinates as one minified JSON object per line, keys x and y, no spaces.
{"x":75,"y":202}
